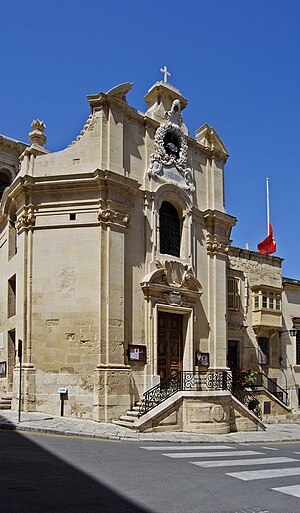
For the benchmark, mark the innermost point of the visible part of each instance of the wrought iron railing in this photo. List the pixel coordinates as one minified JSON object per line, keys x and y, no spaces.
{"x":245,"y":396}
{"x":262,"y":380}
{"x":191,"y":381}
{"x":219,"y":380}
{"x":184,"y":381}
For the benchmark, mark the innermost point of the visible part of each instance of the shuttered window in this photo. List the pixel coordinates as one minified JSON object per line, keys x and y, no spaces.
{"x":233,"y":297}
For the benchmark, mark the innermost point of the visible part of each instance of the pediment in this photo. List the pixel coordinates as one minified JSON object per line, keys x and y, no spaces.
{"x":208,"y":137}
{"x":120,"y":91}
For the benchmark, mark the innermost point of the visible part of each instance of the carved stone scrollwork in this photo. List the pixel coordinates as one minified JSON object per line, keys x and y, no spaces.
{"x":216,"y":247}
{"x":176,"y":273}
{"x":111,"y":216}
{"x":168,"y":163}
{"x":172,"y":282}
{"x":26,"y":220}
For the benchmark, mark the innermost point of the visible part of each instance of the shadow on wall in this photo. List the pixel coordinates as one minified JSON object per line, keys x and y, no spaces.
{"x":33,"y":481}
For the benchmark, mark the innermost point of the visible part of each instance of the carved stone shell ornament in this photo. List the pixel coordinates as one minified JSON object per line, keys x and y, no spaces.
{"x":168,"y":163}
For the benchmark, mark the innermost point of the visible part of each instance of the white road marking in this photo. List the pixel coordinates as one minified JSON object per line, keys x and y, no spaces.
{"x":252,"y":510}
{"x":251,"y":475}
{"x":289,"y":490}
{"x":184,"y":447}
{"x":270,"y":448}
{"x":211,"y":454}
{"x":233,"y":463}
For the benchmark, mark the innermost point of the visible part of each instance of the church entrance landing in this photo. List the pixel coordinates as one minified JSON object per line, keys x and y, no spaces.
{"x":169,"y":344}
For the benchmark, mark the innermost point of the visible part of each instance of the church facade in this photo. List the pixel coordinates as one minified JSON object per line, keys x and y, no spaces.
{"x":118,"y":277}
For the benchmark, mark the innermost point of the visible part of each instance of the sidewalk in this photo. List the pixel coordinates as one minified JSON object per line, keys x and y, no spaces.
{"x":43,"y":423}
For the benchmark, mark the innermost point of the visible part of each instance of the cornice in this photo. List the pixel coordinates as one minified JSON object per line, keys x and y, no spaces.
{"x":218,"y":225}
{"x":17,"y":146}
{"x":101,"y":182}
{"x":247,"y":254}
{"x":263,"y":286}
{"x":95,"y":179}
{"x":290,"y":283}
{"x":166,"y":90}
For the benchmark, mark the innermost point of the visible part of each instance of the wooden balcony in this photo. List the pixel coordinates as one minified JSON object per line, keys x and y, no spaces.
{"x":266,"y":318}
{"x":266,"y":308}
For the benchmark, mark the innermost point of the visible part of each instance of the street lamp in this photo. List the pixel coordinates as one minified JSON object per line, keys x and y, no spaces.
{"x":292,"y":332}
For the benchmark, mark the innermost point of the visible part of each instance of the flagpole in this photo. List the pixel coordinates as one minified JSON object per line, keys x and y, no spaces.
{"x":268,"y":206}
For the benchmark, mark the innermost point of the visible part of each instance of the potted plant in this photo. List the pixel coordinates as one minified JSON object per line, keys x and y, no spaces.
{"x":245,"y":378}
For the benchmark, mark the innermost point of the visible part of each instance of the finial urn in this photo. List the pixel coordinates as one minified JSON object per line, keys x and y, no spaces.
{"x":37,"y":135}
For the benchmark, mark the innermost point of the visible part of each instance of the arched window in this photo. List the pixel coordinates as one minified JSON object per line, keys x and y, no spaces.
{"x":169,"y":223}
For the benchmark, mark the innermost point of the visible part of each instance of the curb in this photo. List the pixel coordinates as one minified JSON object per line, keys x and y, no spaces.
{"x":146,"y":437}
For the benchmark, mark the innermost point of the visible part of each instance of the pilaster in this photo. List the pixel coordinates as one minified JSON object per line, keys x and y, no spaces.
{"x":218,"y":226}
{"x":112,"y":389}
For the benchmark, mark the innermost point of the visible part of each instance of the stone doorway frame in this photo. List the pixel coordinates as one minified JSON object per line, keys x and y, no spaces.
{"x":187,"y":334}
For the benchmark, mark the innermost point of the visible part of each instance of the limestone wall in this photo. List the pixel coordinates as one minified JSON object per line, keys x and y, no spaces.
{"x":259,"y":269}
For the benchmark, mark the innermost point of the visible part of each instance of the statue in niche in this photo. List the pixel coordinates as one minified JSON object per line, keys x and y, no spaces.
{"x":171,"y":144}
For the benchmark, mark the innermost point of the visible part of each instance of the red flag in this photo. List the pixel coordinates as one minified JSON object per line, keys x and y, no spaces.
{"x":268,"y":245}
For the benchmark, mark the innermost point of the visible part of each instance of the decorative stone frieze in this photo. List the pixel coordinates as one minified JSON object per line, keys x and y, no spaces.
{"x":108,"y":215}
{"x":26,"y":220}
{"x":169,"y":162}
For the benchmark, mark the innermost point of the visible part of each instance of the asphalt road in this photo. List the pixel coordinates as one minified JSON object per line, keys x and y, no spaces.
{"x":46,"y":473}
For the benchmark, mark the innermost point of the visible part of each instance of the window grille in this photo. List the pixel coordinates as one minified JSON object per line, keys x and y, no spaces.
{"x":169,"y":230}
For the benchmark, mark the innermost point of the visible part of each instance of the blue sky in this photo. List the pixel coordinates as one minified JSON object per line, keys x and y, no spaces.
{"x":236,"y":61}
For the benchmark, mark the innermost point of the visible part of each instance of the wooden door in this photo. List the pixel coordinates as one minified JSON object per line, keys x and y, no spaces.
{"x":169,"y":344}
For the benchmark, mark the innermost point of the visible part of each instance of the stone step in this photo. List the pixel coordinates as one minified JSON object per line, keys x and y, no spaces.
{"x":5,"y":404}
{"x":123,"y":423}
{"x":127,"y":418}
{"x":6,"y":395}
{"x":135,"y":408}
{"x":133,"y":413}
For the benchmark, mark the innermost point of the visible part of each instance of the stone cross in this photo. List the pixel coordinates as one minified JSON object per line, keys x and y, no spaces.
{"x":166,"y":73}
